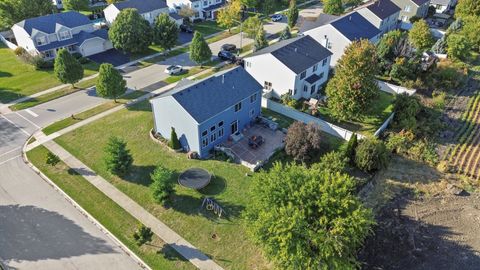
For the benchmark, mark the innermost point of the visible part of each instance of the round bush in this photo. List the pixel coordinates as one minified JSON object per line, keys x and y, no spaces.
{"x":371,"y":154}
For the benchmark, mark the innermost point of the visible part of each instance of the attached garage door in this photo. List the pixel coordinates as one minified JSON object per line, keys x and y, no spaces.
{"x":92,"y":46}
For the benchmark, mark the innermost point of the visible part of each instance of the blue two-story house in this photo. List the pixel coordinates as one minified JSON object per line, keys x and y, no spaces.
{"x":206,"y":113}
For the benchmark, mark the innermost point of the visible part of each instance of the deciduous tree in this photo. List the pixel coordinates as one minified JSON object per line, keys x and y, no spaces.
{"x":303,"y":142}
{"x":75,"y":4}
{"x":292,"y":14}
{"x":143,"y":235}
{"x":260,"y":41}
{"x":306,"y":218}
{"x":130,"y":32}
{"x":420,"y":36}
{"x":52,"y":159}
{"x":353,"y":88}
{"x":471,"y":30}
{"x":165,"y":32}
{"x":230,"y":15}
{"x":117,"y":157}
{"x":199,"y":50}
{"x":251,"y":26}
{"x":406,"y":108}
{"x":466,"y":8}
{"x":458,"y":46}
{"x":110,"y":82}
{"x":67,"y":69}
{"x":162,"y":185}
{"x":334,"y":7}
{"x":14,"y":11}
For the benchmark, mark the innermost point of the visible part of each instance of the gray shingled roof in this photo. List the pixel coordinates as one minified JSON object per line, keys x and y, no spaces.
{"x":420,"y":2}
{"x":383,"y":8}
{"x":354,"y":27}
{"x":440,"y":2}
{"x":48,"y":23}
{"x":142,"y":6}
{"x":322,"y":19}
{"x":298,"y":53}
{"x":211,"y":96}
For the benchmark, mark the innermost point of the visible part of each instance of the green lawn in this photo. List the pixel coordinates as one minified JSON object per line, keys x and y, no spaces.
{"x":89,"y":113}
{"x":230,"y":248}
{"x":113,"y":217}
{"x":208,"y":27}
{"x":18,"y":79}
{"x":381,"y":109}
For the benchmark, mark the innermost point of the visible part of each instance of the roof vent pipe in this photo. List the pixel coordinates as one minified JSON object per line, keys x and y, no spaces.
{"x":296,"y":49}
{"x":223,"y":78}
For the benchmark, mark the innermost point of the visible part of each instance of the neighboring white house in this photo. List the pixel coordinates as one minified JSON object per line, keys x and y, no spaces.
{"x":297,"y":66}
{"x":383,"y":14}
{"x":205,"y":9}
{"x":340,"y":33}
{"x":148,"y":9}
{"x":92,"y":3}
{"x":45,"y":35}
{"x":443,"y":5}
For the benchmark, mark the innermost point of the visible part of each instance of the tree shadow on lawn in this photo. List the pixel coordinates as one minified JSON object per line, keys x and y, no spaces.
{"x":5,"y":74}
{"x":9,"y":94}
{"x":190,"y":205}
{"x":143,"y":106}
{"x":139,"y":175}
{"x":170,"y":254}
{"x":216,"y":186}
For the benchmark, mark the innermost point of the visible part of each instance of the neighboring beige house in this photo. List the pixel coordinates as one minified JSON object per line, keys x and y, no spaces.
{"x":411,"y":8}
{"x":383,"y":14}
{"x":148,"y":9}
{"x":45,"y":35}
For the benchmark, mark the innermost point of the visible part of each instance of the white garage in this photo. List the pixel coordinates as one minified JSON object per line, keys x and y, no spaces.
{"x":92,"y":46}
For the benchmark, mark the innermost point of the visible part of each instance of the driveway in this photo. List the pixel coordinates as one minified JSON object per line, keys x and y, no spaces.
{"x":112,"y":56}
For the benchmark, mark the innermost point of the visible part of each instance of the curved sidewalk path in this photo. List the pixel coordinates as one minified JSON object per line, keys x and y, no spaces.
{"x":182,"y":246}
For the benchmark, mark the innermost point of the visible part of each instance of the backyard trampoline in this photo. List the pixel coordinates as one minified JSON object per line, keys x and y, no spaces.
{"x":195,"y":178}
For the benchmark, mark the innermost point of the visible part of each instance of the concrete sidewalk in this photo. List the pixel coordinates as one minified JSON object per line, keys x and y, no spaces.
{"x":182,"y":246}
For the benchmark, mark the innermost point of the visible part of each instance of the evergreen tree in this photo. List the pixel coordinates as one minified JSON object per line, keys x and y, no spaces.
{"x":440,"y":46}
{"x":77,"y":5}
{"x":118,"y":158}
{"x":199,"y":50}
{"x":174,"y":142}
{"x":334,"y":7}
{"x":285,"y":33}
{"x":143,"y":235}
{"x":260,"y":40}
{"x":52,"y":159}
{"x":350,"y":147}
{"x":130,"y":32}
{"x":292,"y":14}
{"x":371,"y":154}
{"x":67,"y":69}
{"x":353,"y":88}
{"x":165,"y":32}
{"x":110,"y":82}
{"x":162,"y":185}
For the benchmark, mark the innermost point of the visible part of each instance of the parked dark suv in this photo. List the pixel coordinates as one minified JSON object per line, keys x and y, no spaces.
{"x":226,"y":55}
{"x":186,"y":28}
{"x":229,"y":47}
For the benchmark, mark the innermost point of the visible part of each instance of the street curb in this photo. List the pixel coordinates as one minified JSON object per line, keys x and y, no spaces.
{"x":95,"y":222}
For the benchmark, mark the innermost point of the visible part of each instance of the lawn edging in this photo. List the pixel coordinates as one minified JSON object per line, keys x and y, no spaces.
{"x":102,"y":228}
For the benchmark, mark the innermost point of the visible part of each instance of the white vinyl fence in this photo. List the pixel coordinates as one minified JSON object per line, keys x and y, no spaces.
{"x":306,"y":118}
{"x":394,"y":89}
{"x":6,"y":42}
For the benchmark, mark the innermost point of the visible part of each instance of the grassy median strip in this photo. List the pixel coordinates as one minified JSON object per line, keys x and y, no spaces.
{"x":59,"y":125}
{"x":53,"y":95}
{"x":119,"y":222}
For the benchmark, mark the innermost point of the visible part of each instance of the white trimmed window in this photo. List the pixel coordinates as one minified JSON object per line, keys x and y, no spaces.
{"x":41,"y":40}
{"x":64,"y":35}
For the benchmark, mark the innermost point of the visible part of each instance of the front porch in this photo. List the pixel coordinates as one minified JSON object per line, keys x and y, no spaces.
{"x":254,"y":145}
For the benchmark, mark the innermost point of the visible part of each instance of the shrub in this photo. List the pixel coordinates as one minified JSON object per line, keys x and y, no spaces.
{"x":143,"y":235}
{"x":77,"y":55}
{"x":424,"y":151}
{"x":52,"y":159}
{"x":118,"y":158}
{"x":400,"y":142}
{"x":83,"y":60}
{"x":303,"y":142}
{"x":174,"y":142}
{"x":406,"y":109}
{"x":162,"y":185}
{"x":19,"y":51}
{"x":38,"y":62}
{"x":332,"y":162}
{"x":371,"y":154}
{"x":349,"y":148}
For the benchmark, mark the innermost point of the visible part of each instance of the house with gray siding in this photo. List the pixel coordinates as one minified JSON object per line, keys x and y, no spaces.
{"x":45,"y":35}
{"x":207,"y":113}
{"x":383,"y":14}
{"x":297,"y":66}
{"x":340,"y":33}
{"x":204,"y":9}
{"x":411,"y":8}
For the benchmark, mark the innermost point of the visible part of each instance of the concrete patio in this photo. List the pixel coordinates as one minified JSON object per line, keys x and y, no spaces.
{"x":254,"y":158}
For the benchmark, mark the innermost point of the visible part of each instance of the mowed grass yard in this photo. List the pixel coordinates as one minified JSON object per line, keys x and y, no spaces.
{"x":18,"y":79}
{"x":120,"y":223}
{"x":230,"y":247}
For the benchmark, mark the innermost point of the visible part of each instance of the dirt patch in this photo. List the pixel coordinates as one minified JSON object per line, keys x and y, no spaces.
{"x":438,"y":233}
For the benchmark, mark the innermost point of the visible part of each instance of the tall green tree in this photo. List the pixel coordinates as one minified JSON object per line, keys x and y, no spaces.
{"x":130,"y":32}
{"x":406,"y":109}
{"x":75,"y":4}
{"x":470,"y":30}
{"x":353,"y":88}
{"x":260,"y":41}
{"x":307,"y":218}
{"x":303,"y":142}
{"x":110,"y":82}
{"x":199,"y":50}
{"x":466,"y":8}
{"x":117,"y":157}
{"x":458,"y":46}
{"x":292,"y":14}
{"x":165,"y":32}
{"x":334,"y":7}
{"x":67,"y":69}
{"x":252,"y":25}
{"x":420,"y":36}
{"x":286,"y":34}
{"x":230,"y":15}
{"x":267,"y":6}
{"x":162,"y":184}
{"x":14,"y":11}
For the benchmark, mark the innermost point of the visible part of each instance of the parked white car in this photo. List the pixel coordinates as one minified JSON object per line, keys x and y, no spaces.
{"x":276,"y":17}
{"x":174,"y":69}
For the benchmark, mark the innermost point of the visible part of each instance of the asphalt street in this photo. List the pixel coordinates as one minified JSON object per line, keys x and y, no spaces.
{"x":39,"y":229}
